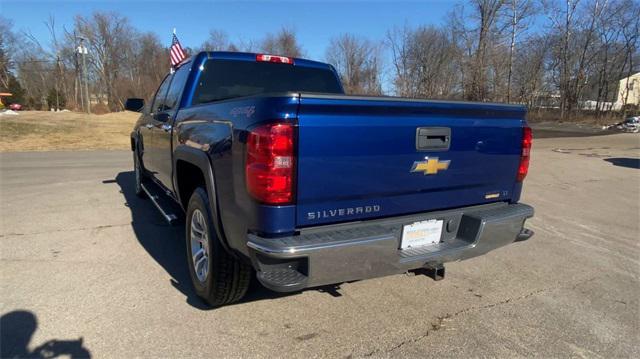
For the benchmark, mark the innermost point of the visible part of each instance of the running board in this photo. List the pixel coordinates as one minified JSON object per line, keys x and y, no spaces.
{"x":161,"y":201}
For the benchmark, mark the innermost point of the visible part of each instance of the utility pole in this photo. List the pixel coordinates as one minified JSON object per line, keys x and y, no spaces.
{"x":82,"y":50}
{"x":57,"y":83}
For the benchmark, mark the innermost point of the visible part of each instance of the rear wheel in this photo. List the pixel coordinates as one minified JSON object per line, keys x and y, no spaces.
{"x":139,"y":174}
{"x":217,"y":277}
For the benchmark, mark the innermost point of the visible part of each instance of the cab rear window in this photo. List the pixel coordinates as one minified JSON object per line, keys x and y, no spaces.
{"x":226,"y":79}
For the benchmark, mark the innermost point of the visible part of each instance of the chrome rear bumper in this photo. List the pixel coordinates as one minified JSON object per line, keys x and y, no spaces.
{"x":353,"y":251}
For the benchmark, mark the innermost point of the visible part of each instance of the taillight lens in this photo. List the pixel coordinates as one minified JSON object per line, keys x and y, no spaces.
{"x":270,"y":164}
{"x":527,"y":141}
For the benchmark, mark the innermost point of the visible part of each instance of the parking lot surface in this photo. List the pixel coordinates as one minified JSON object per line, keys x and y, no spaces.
{"x":87,"y":268}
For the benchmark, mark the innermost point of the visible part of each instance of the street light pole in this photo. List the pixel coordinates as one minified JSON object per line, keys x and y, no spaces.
{"x":83,"y":51}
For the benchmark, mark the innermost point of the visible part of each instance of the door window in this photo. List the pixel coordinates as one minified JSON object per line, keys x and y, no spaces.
{"x":158,"y":104}
{"x":177,"y":85}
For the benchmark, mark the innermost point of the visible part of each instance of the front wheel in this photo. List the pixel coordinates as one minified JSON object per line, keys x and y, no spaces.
{"x":217,"y":277}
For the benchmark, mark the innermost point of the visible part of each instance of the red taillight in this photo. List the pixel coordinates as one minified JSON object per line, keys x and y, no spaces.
{"x":273,"y":58}
{"x":527,"y":141}
{"x":270,"y":165}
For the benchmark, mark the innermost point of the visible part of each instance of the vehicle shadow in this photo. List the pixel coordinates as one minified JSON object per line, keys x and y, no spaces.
{"x":17,"y":329}
{"x":165,"y":244}
{"x":624,"y":162}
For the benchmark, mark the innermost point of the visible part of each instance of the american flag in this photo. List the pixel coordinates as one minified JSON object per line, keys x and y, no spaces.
{"x":177,"y":54}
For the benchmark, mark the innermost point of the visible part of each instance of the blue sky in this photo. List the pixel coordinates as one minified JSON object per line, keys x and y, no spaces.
{"x":314,"y":21}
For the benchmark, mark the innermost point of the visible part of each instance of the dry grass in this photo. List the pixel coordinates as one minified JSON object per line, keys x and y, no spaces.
{"x":578,"y":117}
{"x":50,"y":131}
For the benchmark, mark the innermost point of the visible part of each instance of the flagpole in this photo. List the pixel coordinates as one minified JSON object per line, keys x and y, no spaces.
{"x":171,"y":69}
{"x":176,"y":53}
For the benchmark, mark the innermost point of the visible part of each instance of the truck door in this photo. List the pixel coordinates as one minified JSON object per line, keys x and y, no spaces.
{"x":163,"y":127}
{"x":146,"y":130}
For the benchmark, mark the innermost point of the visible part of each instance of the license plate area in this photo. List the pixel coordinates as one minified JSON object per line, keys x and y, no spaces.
{"x":421,"y":234}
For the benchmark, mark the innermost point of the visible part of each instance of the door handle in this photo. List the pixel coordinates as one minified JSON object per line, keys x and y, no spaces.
{"x":433,"y":138}
{"x":148,"y":125}
{"x":166,"y":128}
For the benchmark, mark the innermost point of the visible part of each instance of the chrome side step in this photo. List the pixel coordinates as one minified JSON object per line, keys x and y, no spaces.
{"x":169,"y":217}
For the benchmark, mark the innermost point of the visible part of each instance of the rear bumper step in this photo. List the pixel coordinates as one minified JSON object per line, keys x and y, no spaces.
{"x":341,"y":253}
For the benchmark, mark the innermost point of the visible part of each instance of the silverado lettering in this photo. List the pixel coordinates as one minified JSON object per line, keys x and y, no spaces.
{"x":340,"y":212}
{"x":247,"y":111}
{"x":270,"y":164}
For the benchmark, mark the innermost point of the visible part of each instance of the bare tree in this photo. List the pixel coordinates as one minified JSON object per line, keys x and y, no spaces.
{"x":123,"y":61}
{"x":358,"y":63}
{"x":7,"y":41}
{"x":565,"y":95}
{"x":282,"y":43}
{"x":109,"y":38}
{"x":477,"y":33}
{"x":34,"y":65}
{"x":244,"y":44}
{"x":147,"y":64}
{"x":398,"y":41}
{"x":464,"y":40}
{"x":529,"y":75}
{"x":575,"y":27}
{"x":218,"y":41}
{"x":517,"y":13}
{"x":423,"y":61}
{"x":486,"y":12}
{"x":611,"y":51}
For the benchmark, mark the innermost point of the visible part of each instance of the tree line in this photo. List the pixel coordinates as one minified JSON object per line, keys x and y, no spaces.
{"x":541,"y":53}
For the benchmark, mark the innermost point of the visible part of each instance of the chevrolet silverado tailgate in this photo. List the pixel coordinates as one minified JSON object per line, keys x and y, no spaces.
{"x":371,"y":157}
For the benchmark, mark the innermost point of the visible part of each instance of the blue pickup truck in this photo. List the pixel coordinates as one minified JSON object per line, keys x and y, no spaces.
{"x":275,"y":171}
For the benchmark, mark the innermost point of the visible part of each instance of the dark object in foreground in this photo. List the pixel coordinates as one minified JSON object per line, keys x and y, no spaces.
{"x":16,"y":331}
{"x":436,"y":273}
{"x":275,"y":170}
{"x":134,"y":104}
{"x":624,"y":162}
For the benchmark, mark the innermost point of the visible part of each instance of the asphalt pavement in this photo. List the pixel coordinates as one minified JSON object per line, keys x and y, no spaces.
{"x":88,"y":269}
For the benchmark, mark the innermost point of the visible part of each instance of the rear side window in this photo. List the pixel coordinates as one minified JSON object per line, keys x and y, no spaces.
{"x":225,"y":79}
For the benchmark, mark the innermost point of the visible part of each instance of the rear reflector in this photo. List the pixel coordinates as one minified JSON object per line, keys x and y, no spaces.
{"x":527,"y":141}
{"x":273,"y":58}
{"x":270,"y":164}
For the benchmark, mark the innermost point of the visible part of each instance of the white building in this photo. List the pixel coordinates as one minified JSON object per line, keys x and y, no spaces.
{"x":629,"y":89}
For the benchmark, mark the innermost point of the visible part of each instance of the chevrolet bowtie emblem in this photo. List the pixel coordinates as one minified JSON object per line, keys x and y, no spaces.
{"x":430,"y":166}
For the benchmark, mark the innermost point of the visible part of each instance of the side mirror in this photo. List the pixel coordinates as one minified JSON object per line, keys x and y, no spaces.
{"x":161,"y":117}
{"x":134,"y":104}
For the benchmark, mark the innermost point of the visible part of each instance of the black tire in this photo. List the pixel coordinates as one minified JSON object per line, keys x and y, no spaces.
{"x":139,"y":175}
{"x":228,"y":279}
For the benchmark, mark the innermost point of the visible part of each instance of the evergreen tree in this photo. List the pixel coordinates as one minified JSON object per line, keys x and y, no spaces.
{"x":51,"y":99}
{"x":16,"y":89}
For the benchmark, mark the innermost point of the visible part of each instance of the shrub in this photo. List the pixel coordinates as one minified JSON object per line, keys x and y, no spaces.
{"x":99,"y":109}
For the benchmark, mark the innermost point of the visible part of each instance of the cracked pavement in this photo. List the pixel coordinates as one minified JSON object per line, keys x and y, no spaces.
{"x":100,"y":271}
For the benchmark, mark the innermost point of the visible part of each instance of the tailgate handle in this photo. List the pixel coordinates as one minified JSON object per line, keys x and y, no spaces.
{"x":433,"y":138}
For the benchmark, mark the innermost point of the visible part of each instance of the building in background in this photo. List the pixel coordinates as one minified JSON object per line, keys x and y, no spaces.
{"x":4,"y":94}
{"x":629,"y":91}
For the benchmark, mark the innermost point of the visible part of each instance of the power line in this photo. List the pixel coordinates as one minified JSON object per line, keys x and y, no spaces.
{"x":25,"y":61}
